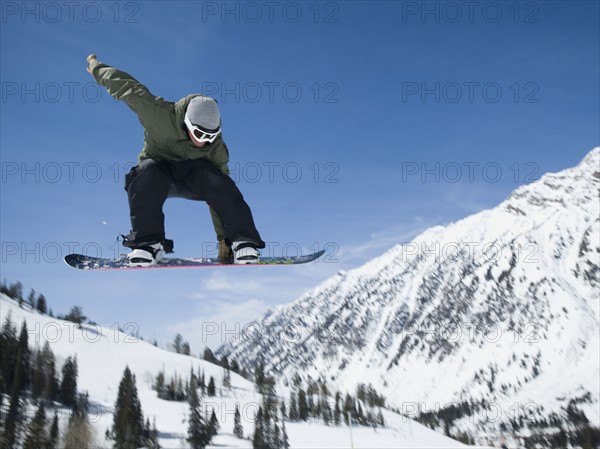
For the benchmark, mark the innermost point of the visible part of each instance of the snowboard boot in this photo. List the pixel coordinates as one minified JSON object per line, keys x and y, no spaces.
{"x":245,"y":252}
{"x":146,"y":256}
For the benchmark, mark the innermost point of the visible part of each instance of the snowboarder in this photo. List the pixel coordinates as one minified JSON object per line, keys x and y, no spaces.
{"x":184,"y":156}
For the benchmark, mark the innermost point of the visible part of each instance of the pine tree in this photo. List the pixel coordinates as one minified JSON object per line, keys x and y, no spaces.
{"x":51,"y":384}
{"x":179,"y":390}
{"x":151,"y":435}
{"x":170,"y":390}
{"x":8,"y":357}
{"x":75,"y":316}
{"x":54,"y":434}
{"x":82,"y":404}
{"x":128,"y":420}
{"x":361,"y":392}
{"x":209,"y":356}
{"x":15,"y":291}
{"x":235,"y":367}
{"x":285,"y":442}
{"x":276,"y":438}
{"x":227,"y":379}
{"x":177,"y":343}
{"x":38,"y":381}
{"x":193,"y":379}
{"x":15,"y":414}
{"x":12,"y":421}
{"x":303,"y":410}
{"x":224,"y":362}
{"x":337,"y":413}
{"x":37,"y":436}
{"x":326,"y":411}
{"x":30,"y":299}
{"x":258,"y":439}
{"x":213,"y":424}
{"x":11,"y":290}
{"x":41,"y":305}
{"x":293,"y":413}
{"x":24,"y":359}
{"x":44,"y":384}
{"x":198,"y":436}
{"x":159,"y":385}
{"x":282,"y":410}
{"x":68,"y":386}
{"x":270,"y":399}
{"x":211,"y":389}
{"x":259,"y":376}
{"x":238,"y":430}
{"x":202,"y":383}
{"x":268,"y":432}
{"x":348,"y":408}
{"x":324,"y":391}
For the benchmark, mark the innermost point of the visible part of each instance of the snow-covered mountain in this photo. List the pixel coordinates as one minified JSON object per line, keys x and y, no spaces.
{"x":497,"y":312}
{"x":103,"y":353}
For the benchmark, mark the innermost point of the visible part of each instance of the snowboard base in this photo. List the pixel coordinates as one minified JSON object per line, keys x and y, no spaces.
{"x":83,"y":262}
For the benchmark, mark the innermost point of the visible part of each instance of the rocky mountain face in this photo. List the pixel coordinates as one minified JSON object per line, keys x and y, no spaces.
{"x":488,"y":326}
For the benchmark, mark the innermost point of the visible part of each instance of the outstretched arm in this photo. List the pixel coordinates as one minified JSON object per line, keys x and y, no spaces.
{"x":126,"y":88}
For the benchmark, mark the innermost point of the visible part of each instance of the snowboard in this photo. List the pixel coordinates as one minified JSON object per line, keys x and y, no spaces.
{"x":83,"y":262}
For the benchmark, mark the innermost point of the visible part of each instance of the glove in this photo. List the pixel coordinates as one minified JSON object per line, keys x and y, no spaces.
{"x":225,"y":255}
{"x":91,"y":58}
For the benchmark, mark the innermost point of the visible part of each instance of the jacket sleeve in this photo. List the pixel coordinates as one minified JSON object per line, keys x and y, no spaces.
{"x":217,"y":223}
{"x":126,"y":88}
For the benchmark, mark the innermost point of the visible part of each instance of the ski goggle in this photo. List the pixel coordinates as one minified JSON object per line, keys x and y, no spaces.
{"x":200,"y":134}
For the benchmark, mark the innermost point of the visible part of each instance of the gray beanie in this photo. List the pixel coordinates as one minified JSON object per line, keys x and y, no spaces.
{"x":204,"y":112}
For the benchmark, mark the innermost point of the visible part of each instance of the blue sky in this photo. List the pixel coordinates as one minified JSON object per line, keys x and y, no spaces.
{"x":351,"y":125}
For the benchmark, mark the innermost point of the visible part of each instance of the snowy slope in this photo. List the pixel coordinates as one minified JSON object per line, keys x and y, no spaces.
{"x":500,"y":307}
{"x":103,"y":353}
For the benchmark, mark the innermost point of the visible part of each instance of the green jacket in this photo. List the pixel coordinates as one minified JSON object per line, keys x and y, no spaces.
{"x":165,"y":137}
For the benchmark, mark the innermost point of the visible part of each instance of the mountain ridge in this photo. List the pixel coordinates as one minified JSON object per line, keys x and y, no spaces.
{"x":486,"y":309}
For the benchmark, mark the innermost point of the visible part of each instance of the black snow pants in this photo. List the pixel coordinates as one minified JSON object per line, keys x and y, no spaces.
{"x":151,"y":182}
